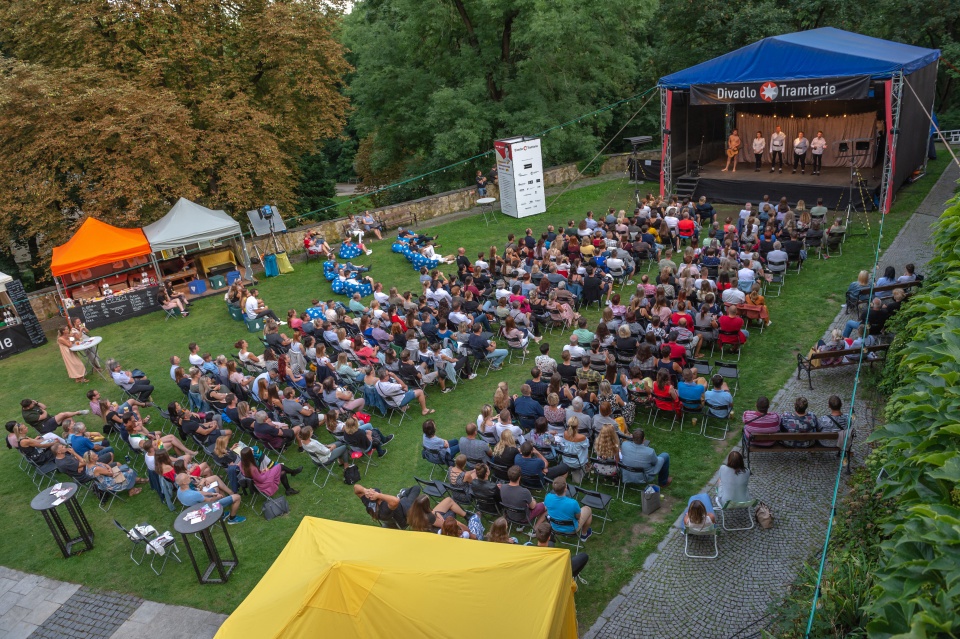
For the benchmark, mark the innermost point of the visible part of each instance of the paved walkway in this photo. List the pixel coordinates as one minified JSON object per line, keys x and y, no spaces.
{"x":34,"y":607}
{"x":674,"y":596}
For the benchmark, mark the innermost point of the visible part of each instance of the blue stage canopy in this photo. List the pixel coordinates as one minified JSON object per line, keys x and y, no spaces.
{"x":806,"y":55}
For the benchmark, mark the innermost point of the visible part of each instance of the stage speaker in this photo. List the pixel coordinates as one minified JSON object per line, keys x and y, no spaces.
{"x":863,"y":145}
{"x":843,"y":147}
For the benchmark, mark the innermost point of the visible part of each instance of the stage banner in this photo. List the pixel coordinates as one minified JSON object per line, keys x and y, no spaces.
{"x":847,"y":88}
{"x":520,"y":176}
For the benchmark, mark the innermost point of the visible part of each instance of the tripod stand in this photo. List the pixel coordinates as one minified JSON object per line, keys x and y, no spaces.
{"x":855,"y":149}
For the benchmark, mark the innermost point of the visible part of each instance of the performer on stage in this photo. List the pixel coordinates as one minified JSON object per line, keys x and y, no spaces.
{"x":759,"y":144}
{"x":778,"y":139}
{"x":800,"y":146}
{"x":733,"y":149}
{"x":817,"y":145}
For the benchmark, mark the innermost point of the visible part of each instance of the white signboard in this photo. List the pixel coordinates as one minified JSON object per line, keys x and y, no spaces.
{"x":520,"y":176}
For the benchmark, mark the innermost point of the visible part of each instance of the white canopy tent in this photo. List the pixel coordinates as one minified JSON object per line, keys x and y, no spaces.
{"x":191,"y":226}
{"x":4,"y":280}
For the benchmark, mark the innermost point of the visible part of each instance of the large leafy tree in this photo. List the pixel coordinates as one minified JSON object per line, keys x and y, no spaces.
{"x":439,"y":81}
{"x":137,"y":102}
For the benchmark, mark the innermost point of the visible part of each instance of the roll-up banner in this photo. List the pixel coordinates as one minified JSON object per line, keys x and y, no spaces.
{"x":520,"y":176}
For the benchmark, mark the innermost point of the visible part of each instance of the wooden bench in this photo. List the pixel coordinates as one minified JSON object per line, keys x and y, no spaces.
{"x":748,"y":446}
{"x":805,"y":362}
{"x":856,"y":304}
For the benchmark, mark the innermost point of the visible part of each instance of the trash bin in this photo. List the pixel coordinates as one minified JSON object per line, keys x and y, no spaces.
{"x":283,"y":263}
{"x":217,"y":282}
{"x":270,"y":265}
{"x":198,"y":287}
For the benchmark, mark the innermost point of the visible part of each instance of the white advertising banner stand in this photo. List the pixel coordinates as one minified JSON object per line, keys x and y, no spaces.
{"x":520,"y":176}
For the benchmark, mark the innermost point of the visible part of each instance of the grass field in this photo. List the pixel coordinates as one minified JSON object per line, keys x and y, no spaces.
{"x":809,"y":302}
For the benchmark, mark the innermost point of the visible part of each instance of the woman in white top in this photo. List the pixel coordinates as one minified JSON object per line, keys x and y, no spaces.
{"x":734,"y":480}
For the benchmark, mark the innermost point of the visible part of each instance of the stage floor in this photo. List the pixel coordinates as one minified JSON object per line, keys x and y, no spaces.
{"x":831,"y":176}
{"x":747,"y":185}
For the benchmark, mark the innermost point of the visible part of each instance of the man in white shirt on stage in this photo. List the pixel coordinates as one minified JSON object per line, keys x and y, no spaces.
{"x":817,"y":146}
{"x":778,"y":140}
{"x":759,"y":144}
{"x":800,"y":146}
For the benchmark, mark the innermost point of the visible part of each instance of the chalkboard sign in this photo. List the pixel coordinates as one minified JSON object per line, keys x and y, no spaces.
{"x":119,"y":308}
{"x":27,"y":317}
{"x":14,"y":339}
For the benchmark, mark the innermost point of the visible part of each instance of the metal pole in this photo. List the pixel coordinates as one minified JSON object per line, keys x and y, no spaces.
{"x":246,"y":259}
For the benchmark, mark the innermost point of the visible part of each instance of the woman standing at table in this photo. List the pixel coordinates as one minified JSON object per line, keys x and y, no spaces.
{"x":75,"y":367}
{"x":79,"y":332}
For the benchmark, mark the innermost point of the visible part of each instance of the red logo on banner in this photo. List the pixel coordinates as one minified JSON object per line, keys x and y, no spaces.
{"x":769,"y":91}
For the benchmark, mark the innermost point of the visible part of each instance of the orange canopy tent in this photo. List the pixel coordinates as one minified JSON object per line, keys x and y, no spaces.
{"x":96,"y":243}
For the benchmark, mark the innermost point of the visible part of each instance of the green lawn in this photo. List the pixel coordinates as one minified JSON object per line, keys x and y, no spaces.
{"x":809,"y":301}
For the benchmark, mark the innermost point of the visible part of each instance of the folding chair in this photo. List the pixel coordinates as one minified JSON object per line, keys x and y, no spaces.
{"x":731,"y":506}
{"x":708,"y":534}
{"x":517,"y":519}
{"x":172,"y":312}
{"x":777,"y":278}
{"x":733,"y":346}
{"x":435,"y":459}
{"x":573,"y":463}
{"x":327,"y":473}
{"x":460,"y":494}
{"x":357,"y":453}
{"x":695,"y":412}
{"x":598,"y":502}
{"x":729,"y":371}
{"x":565,"y":537}
{"x":433,"y":489}
{"x":488,"y":507}
{"x":708,"y":416}
{"x":702,"y":366}
{"x":626,"y":483}
{"x":499,"y":472}
{"x":140,"y":542}
{"x":44,"y":475}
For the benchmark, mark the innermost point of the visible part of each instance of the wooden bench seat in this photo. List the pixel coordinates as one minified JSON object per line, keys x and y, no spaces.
{"x":806,"y":362}
{"x":748,"y":445}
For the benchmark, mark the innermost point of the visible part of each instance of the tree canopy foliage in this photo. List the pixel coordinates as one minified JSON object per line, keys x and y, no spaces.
{"x":115,"y":108}
{"x":438,"y":81}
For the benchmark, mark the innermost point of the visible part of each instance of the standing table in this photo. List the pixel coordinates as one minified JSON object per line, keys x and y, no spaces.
{"x":91,"y":343}
{"x":186,"y":526}
{"x":47,"y":502}
{"x":486,"y":208}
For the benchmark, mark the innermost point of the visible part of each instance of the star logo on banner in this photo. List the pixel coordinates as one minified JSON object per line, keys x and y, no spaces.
{"x":769,"y":91}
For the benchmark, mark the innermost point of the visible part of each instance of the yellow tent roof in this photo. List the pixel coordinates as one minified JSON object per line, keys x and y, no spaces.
{"x":345,"y":580}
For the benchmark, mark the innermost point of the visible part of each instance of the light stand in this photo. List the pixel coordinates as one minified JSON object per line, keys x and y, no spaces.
{"x":854,"y":149}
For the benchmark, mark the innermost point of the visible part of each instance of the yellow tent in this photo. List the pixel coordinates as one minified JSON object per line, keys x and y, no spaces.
{"x":345,"y":580}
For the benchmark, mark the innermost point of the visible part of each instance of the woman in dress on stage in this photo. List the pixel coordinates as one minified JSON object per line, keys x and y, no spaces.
{"x":733,"y":150}
{"x":75,"y":367}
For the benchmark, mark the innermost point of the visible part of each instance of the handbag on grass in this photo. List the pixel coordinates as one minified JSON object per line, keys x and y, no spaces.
{"x":351,"y":474}
{"x":764,"y":515}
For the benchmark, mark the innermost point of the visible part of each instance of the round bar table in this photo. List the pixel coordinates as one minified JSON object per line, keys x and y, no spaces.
{"x":47,"y":503}
{"x":204,"y":529}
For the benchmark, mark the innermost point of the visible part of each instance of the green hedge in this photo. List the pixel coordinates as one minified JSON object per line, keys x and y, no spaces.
{"x":916,"y":591}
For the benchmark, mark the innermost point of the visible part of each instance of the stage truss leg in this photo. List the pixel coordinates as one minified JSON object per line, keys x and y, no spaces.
{"x":666,"y":160}
{"x":886,"y":184}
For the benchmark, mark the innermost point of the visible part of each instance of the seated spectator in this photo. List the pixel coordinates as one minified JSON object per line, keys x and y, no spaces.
{"x":35,"y":414}
{"x":577,"y":409}
{"x":718,"y":399}
{"x":269,"y":480}
{"x":637,"y":453}
{"x":691,"y":391}
{"x":543,"y":361}
{"x":486,"y":348}
{"x":733,"y":325}
{"x":70,"y":463}
{"x":321,"y":453}
{"x":665,"y":396}
{"x":338,"y":397}
{"x":364,"y":439}
{"x":506,"y":450}
{"x":533,"y":464}
{"x":111,"y":478}
{"x":516,"y":496}
{"x":734,"y":480}
{"x":607,"y":450}
{"x":873,"y":318}
{"x":82,"y":444}
{"x":423,"y":518}
{"x":563,"y":508}
{"x":505,"y":424}
{"x":482,"y":488}
{"x":387,"y":509}
{"x":909,"y":274}
{"x":396,"y":394}
{"x":760,"y":421}
{"x":277,"y":434}
{"x":137,"y":434}
{"x":458,"y":475}
{"x":699,"y":516}
{"x":472,"y":446}
{"x":836,"y":422}
{"x":446,"y":449}
{"x":499,"y":532}
{"x":189,"y":496}
{"x":527,"y":408}
{"x":889,"y":277}
{"x":137,"y":386}
{"x":799,"y":421}
{"x":859,"y":290}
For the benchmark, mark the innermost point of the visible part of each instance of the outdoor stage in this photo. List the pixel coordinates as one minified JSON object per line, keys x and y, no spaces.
{"x":833,"y":185}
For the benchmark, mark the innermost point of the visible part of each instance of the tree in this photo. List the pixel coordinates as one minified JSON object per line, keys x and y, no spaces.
{"x":228,"y":94}
{"x":437,"y":82}
{"x":315,"y":189}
